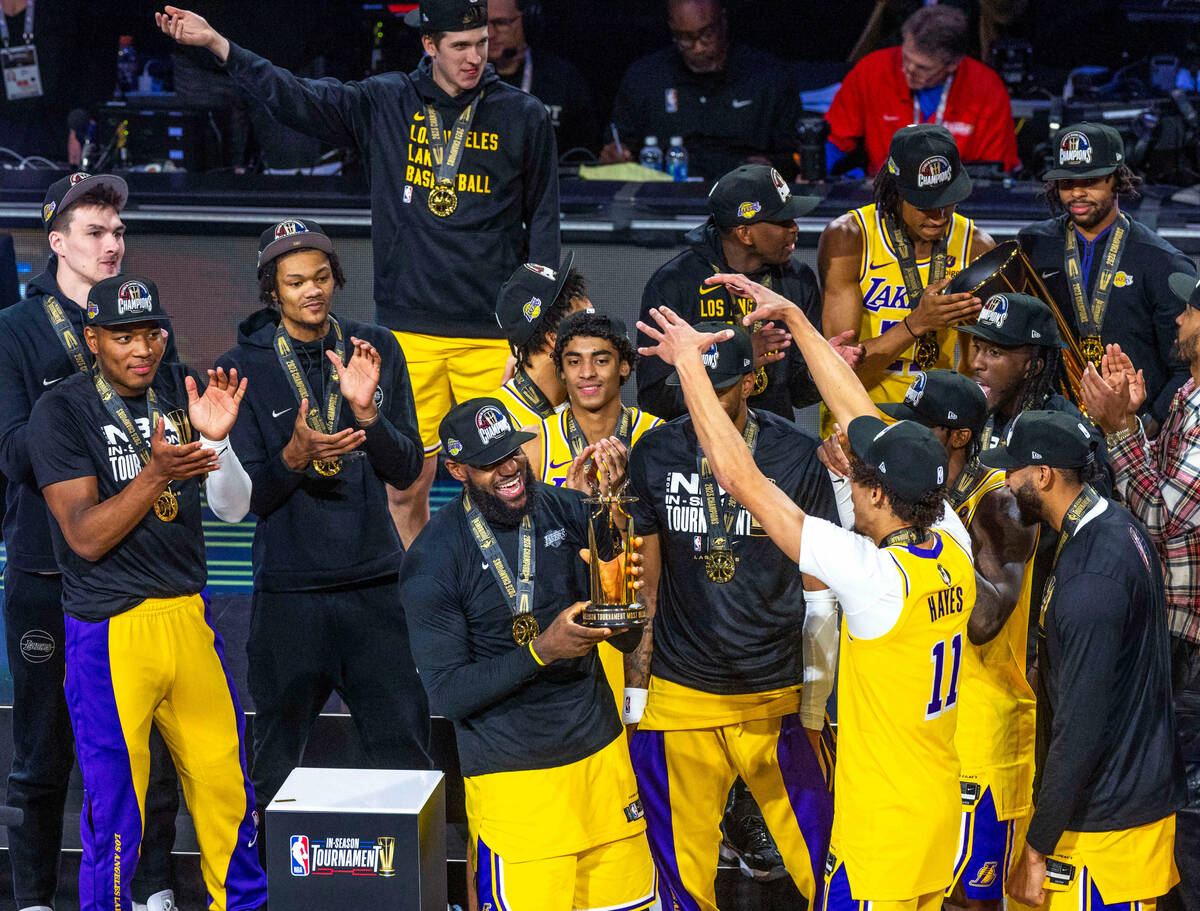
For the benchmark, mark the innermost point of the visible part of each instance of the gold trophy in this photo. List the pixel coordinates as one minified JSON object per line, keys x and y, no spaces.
{"x":614,"y":603}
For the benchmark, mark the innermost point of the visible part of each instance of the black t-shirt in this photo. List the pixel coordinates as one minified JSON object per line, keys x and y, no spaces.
{"x":558,"y":85}
{"x":72,"y":436}
{"x":509,"y":712}
{"x":743,"y":636}
{"x":1106,"y":752}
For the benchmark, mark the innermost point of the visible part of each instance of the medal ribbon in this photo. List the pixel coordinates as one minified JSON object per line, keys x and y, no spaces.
{"x":518,"y":594}
{"x":576,"y":439}
{"x":116,"y":409}
{"x":333,"y":403}
{"x":531,"y":394}
{"x":1079,"y":508}
{"x":968,"y":480}
{"x":1091,"y":321}
{"x":908,"y":266}
{"x":909,"y":537}
{"x":27,"y":34}
{"x":66,"y":332}
{"x":449,"y":157}
{"x":721,"y":518}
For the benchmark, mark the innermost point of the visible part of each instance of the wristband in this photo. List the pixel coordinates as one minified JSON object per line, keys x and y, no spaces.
{"x":909,"y":328}
{"x":634,"y":705}
{"x":535,"y":656}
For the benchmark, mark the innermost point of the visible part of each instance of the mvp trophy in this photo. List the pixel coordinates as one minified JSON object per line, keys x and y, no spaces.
{"x":614,"y":603}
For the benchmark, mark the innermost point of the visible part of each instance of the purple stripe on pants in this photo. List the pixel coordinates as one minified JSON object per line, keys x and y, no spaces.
{"x":648,"y":751}
{"x":809,"y":795}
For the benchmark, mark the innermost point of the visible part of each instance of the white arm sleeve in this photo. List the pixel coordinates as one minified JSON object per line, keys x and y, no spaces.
{"x":841,"y":496}
{"x":820,"y":656}
{"x":227,"y":488}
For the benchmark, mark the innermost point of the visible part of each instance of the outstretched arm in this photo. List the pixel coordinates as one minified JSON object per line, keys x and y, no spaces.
{"x":680,"y":345}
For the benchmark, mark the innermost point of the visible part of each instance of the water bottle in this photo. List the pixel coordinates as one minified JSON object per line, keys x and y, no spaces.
{"x":677,"y":159}
{"x":127,"y":73}
{"x":651,"y":154}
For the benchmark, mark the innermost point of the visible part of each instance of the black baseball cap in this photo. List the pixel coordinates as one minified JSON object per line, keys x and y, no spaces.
{"x":527,"y":297}
{"x":1084,"y":150}
{"x":289,"y":235}
{"x":448,"y":15}
{"x":753,"y":193}
{"x":941,"y":398}
{"x":1055,"y":439}
{"x":124,"y":299}
{"x":928,"y":170}
{"x":1186,"y":288}
{"x":906,"y":453}
{"x":1011,"y":320}
{"x":479,"y":432}
{"x":66,"y":190}
{"x":726,"y":362}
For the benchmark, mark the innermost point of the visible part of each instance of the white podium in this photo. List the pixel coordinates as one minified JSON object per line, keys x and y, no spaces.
{"x":358,"y":838}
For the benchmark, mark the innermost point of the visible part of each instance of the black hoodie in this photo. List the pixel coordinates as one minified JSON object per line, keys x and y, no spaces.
{"x":435,"y":275}
{"x":33,"y":361}
{"x":318,"y":532}
{"x":679,"y":284}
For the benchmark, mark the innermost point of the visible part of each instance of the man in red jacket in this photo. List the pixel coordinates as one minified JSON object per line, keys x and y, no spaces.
{"x":927,"y":79}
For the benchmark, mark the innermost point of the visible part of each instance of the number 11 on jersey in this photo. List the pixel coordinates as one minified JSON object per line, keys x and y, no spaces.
{"x":936,"y":704}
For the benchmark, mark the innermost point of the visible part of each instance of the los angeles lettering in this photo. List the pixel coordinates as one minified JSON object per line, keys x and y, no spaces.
{"x":420,"y":169}
{"x":946,"y":602}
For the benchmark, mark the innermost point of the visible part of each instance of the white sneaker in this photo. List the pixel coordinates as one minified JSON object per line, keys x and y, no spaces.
{"x":38,"y":908}
{"x":159,"y":901}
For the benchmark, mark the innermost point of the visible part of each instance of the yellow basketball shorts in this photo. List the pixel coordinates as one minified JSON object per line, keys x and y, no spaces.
{"x":839,"y":894}
{"x":446,"y":371}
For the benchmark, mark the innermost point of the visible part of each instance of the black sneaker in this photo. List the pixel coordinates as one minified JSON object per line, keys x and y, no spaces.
{"x":747,"y":839}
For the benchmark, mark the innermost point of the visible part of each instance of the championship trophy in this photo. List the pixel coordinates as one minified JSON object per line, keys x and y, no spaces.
{"x":614,"y":603}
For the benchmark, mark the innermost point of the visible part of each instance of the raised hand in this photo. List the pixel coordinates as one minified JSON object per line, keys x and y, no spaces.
{"x":936,"y":310}
{"x":191,"y":29}
{"x":1113,"y":401}
{"x":768,"y":304}
{"x":834,"y":452}
{"x":770,"y":343}
{"x":848,"y":348}
{"x":308,"y":445}
{"x":359,"y":378}
{"x":675,"y":337}
{"x":178,"y":463}
{"x":215,"y":412}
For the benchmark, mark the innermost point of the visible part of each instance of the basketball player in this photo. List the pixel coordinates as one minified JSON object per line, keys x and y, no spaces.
{"x":883,"y":267}
{"x":906,"y":584}
{"x":724,"y":696}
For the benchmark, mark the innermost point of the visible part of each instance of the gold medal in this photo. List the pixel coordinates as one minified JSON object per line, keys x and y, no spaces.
{"x":525,"y":629}
{"x":720,"y":565}
{"x":443,"y":200}
{"x":760,"y":380}
{"x":166,"y":506}
{"x":928,"y":351}
{"x":327,"y":467}
{"x":1092,"y":349}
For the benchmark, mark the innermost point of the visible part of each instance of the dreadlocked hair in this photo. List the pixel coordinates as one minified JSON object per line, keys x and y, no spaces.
{"x":1125,"y":184}
{"x":574,"y":286}
{"x":921,"y":513}
{"x":887,"y":192}
{"x":1038,"y":387}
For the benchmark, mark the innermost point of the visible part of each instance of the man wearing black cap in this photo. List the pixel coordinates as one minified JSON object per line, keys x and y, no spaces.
{"x":751,"y":229}
{"x":328,"y":421}
{"x":1109,"y":775}
{"x":883,"y":267}
{"x":464,"y":168}
{"x":735,"y":632}
{"x":531,"y":306}
{"x":553,"y":810}
{"x":1107,"y":272}
{"x":115,"y":457}
{"x":906,"y":585}
{"x":994,"y":738}
{"x":82,"y":217}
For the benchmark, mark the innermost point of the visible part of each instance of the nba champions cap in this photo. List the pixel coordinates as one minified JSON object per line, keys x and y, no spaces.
{"x":124,"y":299}
{"x":1055,"y":439}
{"x":479,"y":432}
{"x":1086,"y":150}
{"x":448,"y":15}
{"x":753,"y":193}
{"x":941,"y":398}
{"x":289,"y":235}
{"x":929,"y":173}
{"x":66,"y":190}
{"x":907,"y":454}
{"x":725,"y":362}
{"x":1011,"y":320}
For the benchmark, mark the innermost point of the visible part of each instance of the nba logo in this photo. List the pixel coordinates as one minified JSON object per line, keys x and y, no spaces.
{"x":408,"y":193}
{"x":672,"y":101}
{"x":300,"y":866}
{"x":696,"y":543}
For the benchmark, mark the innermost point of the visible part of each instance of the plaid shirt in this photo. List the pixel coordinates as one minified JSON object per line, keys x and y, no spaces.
{"x":1161,"y":484}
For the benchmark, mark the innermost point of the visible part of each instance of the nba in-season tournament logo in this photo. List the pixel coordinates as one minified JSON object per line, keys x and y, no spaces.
{"x":330,"y":855}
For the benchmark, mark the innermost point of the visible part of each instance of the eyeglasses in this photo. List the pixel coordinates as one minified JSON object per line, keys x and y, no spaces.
{"x":505,"y":23}
{"x":707,"y":35}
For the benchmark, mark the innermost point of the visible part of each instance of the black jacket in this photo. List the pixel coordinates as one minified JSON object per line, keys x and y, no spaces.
{"x":432,"y":274}
{"x":679,"y":284}
{"x":558,"y":85}
{"x":318,"y":532}
{"x":33,"y":361}
{"x":1141,"y":309}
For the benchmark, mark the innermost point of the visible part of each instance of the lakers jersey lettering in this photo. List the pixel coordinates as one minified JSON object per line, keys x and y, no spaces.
{"x":556,"y":447}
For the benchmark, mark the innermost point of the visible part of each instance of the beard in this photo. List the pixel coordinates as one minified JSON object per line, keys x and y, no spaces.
{"x":1096,"y":215}
{"x":498,"y":511}
{"x":1029,"y":507}
{"x":1186,"y":347}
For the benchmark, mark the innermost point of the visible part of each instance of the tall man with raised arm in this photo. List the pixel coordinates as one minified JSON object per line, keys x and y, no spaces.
{"x":41,"y":344}
{"x":464,"y":189}
{"x":124,"y":491}
{"x":327,"y":422}
{"x":736,"y":631}
{"x":906,"y":585}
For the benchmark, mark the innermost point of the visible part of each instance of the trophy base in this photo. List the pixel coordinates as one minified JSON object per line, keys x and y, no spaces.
{"x":613,"y":616}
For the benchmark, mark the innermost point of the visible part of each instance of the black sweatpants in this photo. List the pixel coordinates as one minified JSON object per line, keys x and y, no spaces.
{"x":352,"y":640}
{"x":44,"y":750}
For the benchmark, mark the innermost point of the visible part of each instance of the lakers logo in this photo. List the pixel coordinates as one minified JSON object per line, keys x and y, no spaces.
{"x":986,"y":875}
{"x":1122,"y":280}
{"x":749,"y":209}
{"x":532,"y":309}
{"x":934,"y":171}
{"x":134,"y":297}
{"x":48,"y":210}
{"x":1074,"y":148}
